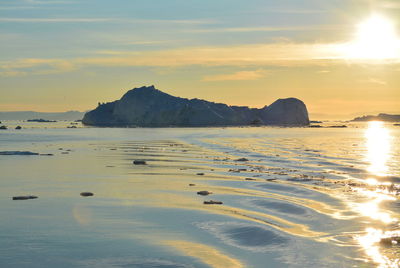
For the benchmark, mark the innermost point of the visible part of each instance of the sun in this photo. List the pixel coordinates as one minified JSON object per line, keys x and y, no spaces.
{"x":376,"y":38}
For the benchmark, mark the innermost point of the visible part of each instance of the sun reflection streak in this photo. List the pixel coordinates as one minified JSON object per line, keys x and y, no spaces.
{"x":370,"y":242}
{"x":378,"y":147}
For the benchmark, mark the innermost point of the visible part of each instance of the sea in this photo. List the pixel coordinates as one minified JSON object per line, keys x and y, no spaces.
{"x":222,"y":197}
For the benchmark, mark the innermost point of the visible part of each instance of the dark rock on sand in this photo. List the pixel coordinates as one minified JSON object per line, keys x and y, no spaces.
{"x":24,"y":197}
{"x":192,"y":184}
{"x":3,"y":127}
{"x":18,"y":127}
{"x":41,"y":120}
{"x":150,"y":107}
{"x":85,"y":194}
{"x":18,"y":153}
{"x":389,"y":241}
{"x":315,"y":126}
{"x":339,"y":126}
{"x":139,"y":162}
{"x":200,"y":174}
{"x":212,"y":202}
{"x":204,"y":193}
{"x":242,"y":159}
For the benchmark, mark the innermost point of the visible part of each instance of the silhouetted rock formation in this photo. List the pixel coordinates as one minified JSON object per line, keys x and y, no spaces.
{"x":149,"y":107}
{"x":379,"y":117}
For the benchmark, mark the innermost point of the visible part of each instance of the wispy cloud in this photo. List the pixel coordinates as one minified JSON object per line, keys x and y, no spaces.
{"x":259,"y":55}
{"x":24,"y":67}
{"x":33,"y":20}
{"x":270,"y":29}
{"x":376,"y":81}
{"x":323,"y":71}
{"x":110,"y":20}
{"x":237,"y":76}
{"x":50,"y":2}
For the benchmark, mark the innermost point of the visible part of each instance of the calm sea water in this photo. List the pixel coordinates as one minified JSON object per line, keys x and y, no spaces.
{"x":305,"y":198}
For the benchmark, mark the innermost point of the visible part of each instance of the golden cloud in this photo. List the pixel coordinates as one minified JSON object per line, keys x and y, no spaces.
{"x":283,"y":54}
{"x":237,"y":76}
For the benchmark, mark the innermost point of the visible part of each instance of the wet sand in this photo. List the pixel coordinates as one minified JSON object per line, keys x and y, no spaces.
{"x":304,"y":198}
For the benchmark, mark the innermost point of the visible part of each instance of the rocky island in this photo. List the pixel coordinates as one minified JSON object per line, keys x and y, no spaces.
{"x":150,"y":107}
{"x":379,"y":117}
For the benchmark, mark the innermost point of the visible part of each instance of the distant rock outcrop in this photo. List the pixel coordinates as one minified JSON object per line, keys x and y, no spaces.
{"x":41,"y":120}
{"x":150,"y":107}
{"x":379,"y":117}
{"x":24,"y":115}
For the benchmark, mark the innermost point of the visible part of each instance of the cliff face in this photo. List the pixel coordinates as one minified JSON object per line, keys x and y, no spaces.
{"x":149,"y":107}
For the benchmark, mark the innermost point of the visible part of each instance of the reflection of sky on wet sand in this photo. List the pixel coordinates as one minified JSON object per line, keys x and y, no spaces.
{"x":207,"y":254}
{"x":290,"y":194}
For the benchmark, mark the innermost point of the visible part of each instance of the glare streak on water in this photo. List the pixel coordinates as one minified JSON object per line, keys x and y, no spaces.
{"x":305,"y":197}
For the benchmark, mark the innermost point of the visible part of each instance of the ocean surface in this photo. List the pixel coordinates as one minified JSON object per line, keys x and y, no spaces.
{"x":292,"y":197}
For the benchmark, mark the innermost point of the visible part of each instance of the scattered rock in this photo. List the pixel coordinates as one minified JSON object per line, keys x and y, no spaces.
{"x":18,"y":127}
{"x":18,"y":153}
{"x":200,"y":174}
{"x":242,"y":159}
{"x":139,"y":162}
{"x":204,"y":193}
{"x":212,"y":202}
{"x":41,"y":120}
{"x":340,"y":126}
{"x":389,"y":241}
{"x":85,"y":194}
{"x":24,"y":197}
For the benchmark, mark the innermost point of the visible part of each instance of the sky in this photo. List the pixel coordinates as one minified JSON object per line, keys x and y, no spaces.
{"x":61,"y":55}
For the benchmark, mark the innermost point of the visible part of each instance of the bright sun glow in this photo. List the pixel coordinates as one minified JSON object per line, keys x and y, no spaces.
{"x":376,"y":38}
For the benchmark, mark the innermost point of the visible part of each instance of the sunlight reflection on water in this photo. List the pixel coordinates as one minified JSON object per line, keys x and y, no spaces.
{"x":378,"y":143}
{"x":378,"y":147}
{"x":370,"y":243}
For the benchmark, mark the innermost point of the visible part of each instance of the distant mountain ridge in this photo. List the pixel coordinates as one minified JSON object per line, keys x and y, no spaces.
{"x":150,"y":107}
{"x":379,"y":117}
{"x":25,"y":115}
